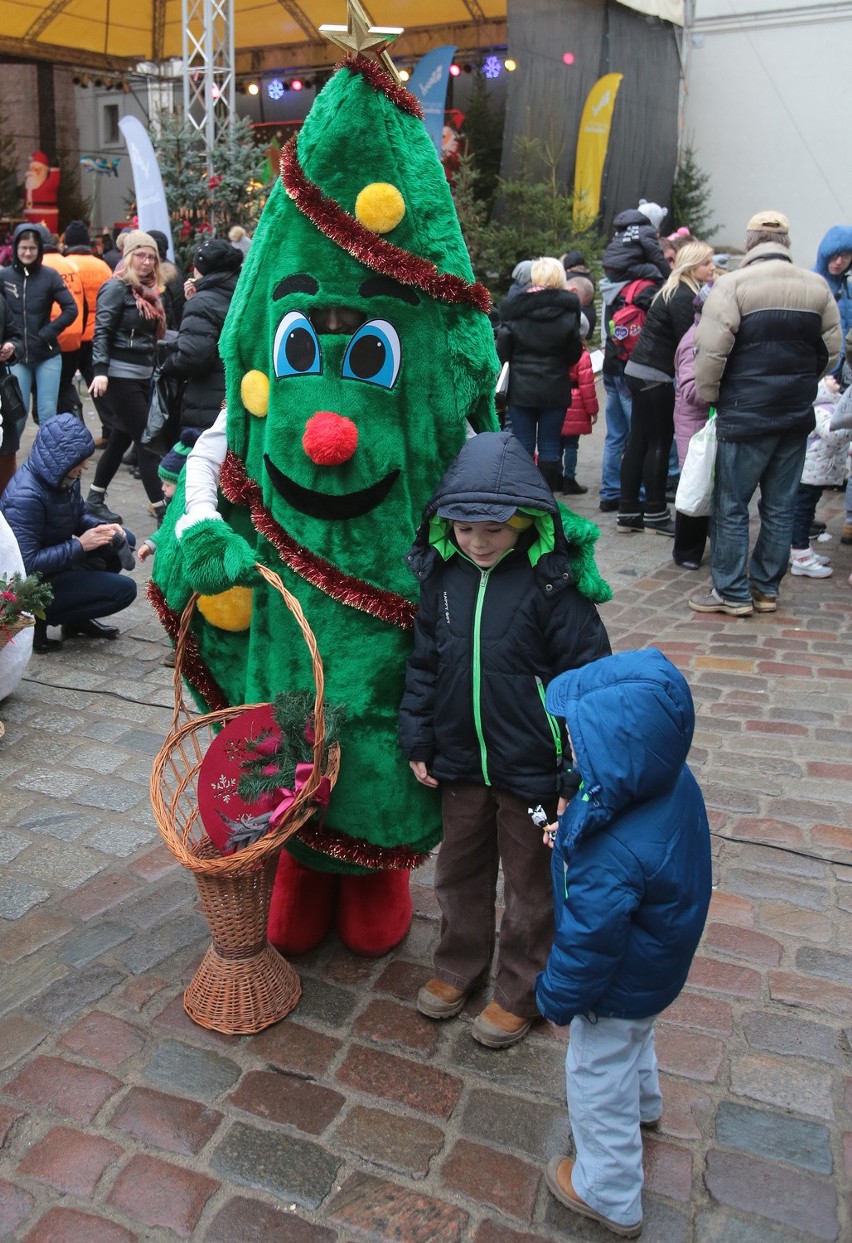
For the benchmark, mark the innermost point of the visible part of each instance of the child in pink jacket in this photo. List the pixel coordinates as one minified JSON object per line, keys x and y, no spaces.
{"x":580,"y":418}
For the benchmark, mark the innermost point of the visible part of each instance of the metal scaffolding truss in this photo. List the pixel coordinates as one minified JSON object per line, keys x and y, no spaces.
{"x":208,"y":66}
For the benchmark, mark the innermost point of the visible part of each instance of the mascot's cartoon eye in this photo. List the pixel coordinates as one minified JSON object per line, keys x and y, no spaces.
{"x":373,"y":354}
{"x":297,"y":349}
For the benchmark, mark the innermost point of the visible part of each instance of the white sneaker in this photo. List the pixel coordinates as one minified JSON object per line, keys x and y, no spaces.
{"x":809,"y":565}
{"x":816,"y":556}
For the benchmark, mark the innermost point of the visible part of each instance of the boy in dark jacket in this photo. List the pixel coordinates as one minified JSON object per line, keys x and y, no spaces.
{"x":631,"y":889}
{"x":506,"y":602}
{"x":78,"y":554}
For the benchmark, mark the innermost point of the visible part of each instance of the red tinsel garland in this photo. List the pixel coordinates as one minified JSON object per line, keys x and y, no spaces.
{"x":192,"y":666}
{"x":345,"y":589}
{"x":368,"y":247}
{"x":380,"y":80}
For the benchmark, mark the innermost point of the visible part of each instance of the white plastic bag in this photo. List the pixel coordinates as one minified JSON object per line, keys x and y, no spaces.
{"x":695,"y":489}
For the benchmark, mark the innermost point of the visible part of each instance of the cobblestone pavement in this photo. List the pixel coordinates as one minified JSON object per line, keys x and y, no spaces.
{"x":356,"y":1118}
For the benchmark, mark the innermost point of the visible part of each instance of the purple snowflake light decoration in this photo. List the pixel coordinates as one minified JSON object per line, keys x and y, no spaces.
{"x":491,"y":66}
{"x":275,"y":89}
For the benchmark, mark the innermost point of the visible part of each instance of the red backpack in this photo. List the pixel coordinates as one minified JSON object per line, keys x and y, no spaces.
{"x":626,"y":322}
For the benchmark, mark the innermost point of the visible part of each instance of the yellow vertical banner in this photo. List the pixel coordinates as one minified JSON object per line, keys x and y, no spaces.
{"x":592,"y":143}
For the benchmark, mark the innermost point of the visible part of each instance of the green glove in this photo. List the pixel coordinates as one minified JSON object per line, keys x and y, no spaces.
{"x":215,"y":558}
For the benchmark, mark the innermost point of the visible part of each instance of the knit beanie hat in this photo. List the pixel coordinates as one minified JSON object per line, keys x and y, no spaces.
{"x":173,"y":463}
{"x":134,"y":240}
{"x":217,"y":255}
{"x":653,"y":211}
{"x":76,"y":233}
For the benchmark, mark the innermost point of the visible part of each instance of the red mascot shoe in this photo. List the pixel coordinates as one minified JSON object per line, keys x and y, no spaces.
{"x":373,"y":912}
{"x":302,"y":908}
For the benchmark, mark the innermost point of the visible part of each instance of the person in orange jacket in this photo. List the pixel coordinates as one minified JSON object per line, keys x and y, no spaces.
{"x":580,"y":418}
{"x":93,"y":273}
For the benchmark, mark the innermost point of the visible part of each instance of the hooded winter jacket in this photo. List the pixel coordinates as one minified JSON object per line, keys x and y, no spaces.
{"x":32,"y":291}
{"x":44,"y":512}
{"x":635,"y":252}
{"x":631,"y":862}
{"x":487,"y":641}
{"x":767,"y":333}
{"x":539,"y":337}
{"x":837,"y":241}
{"x":196,"y":358}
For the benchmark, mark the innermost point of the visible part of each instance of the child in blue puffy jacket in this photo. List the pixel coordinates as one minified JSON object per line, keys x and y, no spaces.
{"x":631,"y":889}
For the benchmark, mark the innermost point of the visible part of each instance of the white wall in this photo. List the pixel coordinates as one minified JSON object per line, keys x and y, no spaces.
{"x":768,"y":109}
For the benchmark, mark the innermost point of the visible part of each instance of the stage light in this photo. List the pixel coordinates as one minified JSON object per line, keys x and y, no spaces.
{"x":568,"y":58}
{"x":455,"y":70}
{"x":215,"y":91}
{"x":404,"y":75}
{"x":467,"y":67}
{"x":253,"y":88}
{"x":491,"y":67}
{"x":296,"y":84}
{"x":99,"y":82}
{"x":510,"y":65}
{"x":275,"y":89}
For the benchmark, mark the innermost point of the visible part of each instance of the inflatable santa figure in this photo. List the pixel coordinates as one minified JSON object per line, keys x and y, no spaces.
{"x":41,"y":189}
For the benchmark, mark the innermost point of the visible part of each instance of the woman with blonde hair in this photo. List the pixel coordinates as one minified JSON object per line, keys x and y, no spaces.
{"x":650,"y":378}
{"x":539,"y":337}
{"x":129,"y":321}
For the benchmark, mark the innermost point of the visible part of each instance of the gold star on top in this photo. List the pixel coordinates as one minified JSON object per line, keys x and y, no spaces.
{"x":361,"y":36}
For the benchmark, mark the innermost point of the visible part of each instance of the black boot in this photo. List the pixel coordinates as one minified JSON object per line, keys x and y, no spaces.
{"x":90,"y":629}
{"x":97,"y":506}
{"x":41,"y":643}
{"x":571,"y":488}
{"x":552,"y":472}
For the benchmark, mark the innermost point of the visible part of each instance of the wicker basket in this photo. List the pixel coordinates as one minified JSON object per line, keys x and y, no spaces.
{"x":243,"y":984}
{"x":10,"y":629}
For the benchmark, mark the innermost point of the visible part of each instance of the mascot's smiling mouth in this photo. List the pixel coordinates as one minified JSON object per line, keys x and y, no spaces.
{"x":320,"y":504}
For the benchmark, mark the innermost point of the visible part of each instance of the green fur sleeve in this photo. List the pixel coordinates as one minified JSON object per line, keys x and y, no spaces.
{"x":581,"y":535}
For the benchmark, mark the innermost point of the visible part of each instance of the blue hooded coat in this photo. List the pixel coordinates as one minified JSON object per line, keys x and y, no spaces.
{"x":43,"y":510}
{"x":837,"y":241}
{"x":631,"y":862}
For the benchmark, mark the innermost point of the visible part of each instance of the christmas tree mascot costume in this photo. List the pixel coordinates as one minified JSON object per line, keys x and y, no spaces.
{"x":358,"y":355}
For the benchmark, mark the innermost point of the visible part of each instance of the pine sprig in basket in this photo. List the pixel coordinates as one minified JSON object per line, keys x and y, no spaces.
{"x":23,"y":595}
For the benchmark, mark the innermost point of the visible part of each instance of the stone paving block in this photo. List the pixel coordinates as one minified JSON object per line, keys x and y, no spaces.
{"x":795,"y":921}
{"x":19,"y":896}
{"x":773,"y":1135}
{"x":743,"y":943}
{"x":399,"y":1079}
{"x":157,"y":1193}
{"x":100,"y":894}
{"x":15,"y":1206}
{"x":101,"y":760}
{"x":79,"y":948}
{"x":388,"y":1022}
{"x":776,"y":1081}
{"x":160,"y":1120}
{"x":296,"y":1049}
{"x":137,"y":992}
{"x":728,"y":908}
{"x":403,"y":1144}
{"x":376,"y":1209}
{"x":242,"y":1218}
{"x":70,"y":1225}
{"x":65,"y":826}
{"x":53,"y":1083}
{"x":786,"y":862}
{"x":402,"y":979}
{"x":71,"y":1161}
{"x":145,"y":952}
{"x":773,"y":1191}
{"x":686,"y":1109}
{"x":496,"y":1232}
{"x":530,"y":1128}
{"x":825,"y":963}
{"x":68,"y":996}
{"x":57,"y":782}
{"x":154,"y":863}
{"x":536,"y":1065}
{"x":18,"y":1036}
{"x":11,"y":845}
{"x":103,"y":1038}
{"x":8,"y":1118}
{"x":59,"y":865}
{"x":178,"y":893}
{"x":777,"y":888}
{"x":715,"y":976}
{"x":197,"y":1071}
{"x":294,"y":1170}
{"x":120,"y":840}
{"x":800,"y":990}
{"x":106,"y":731}
{"x":689,"y":1054}
{"x":695,"y":1010}
{"x":108,"y":795}
{"x":774,"y":1033}
{"x":718,"y":1226}
{"x":325,"y":1003}
{"x":668,"y":1169}
{"x":729,"y":797}
{"x":144,"y":740}
{"x":21,"y":982}
{"x":287,"y":1100}
{"x":488,"y":1176}
{"x":764,"y":829}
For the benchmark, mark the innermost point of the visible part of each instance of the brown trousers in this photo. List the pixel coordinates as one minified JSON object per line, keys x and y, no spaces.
{"x":484,"y":827}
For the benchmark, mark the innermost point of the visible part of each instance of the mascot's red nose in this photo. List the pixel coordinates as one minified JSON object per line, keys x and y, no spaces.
{"x":329,"y":438}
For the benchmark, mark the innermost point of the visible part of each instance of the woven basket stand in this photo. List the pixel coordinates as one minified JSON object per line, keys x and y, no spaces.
{"x":242,"y":984}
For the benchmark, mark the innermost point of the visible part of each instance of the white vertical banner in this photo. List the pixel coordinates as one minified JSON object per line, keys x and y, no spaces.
{"x":151,"y":207}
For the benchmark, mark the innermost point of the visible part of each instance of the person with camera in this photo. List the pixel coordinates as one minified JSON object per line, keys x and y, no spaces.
{"x":79,"y":554}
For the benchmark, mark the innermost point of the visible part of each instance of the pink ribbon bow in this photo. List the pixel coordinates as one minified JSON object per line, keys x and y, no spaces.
{"x":321,"y":794}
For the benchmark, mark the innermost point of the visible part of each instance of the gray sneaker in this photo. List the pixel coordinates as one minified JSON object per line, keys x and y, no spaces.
{"x":713,"y":603}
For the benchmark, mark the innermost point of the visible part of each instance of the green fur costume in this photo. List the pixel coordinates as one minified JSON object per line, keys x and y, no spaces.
{"x":378,"y":353}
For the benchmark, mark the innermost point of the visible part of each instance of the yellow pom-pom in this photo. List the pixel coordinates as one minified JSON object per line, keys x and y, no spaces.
{"x":230,"y":610}
{"x":254,"y":390}
{"x":380,"y":207}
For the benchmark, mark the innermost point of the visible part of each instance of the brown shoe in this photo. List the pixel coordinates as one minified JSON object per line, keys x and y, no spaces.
{"x":650,"y":1124}
{"x":763,"y":603}
{"x":498,"y":1029}
{"x":846,"y":533}
{"x":438,"y":1000}
{"x":558,"y":1179}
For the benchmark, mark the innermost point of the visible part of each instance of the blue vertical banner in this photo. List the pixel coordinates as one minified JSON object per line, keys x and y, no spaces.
{"x":428,"y":83}
{"x":151,"y":207}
